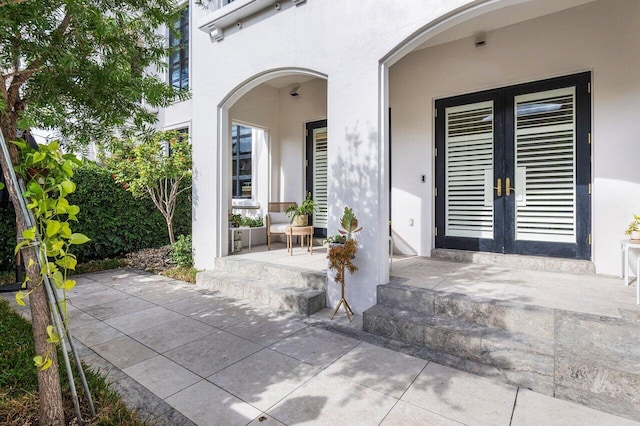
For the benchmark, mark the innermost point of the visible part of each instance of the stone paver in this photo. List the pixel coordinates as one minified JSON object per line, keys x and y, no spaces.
{"x":181,"y":356}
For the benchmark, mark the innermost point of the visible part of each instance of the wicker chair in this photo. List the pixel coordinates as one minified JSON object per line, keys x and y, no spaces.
{"x":276,"y":219}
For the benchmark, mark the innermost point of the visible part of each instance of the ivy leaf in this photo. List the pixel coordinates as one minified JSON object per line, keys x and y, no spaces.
{"x":77,"y":238}
{"x":1,"y":186}
{"x":67,"y":167}
{"x":68,"y":284}
{"x":38,"y":360}
{"x":38,"y":157}
{"x":68,"y":187}
{"x":53,"y":227}
{"x":20,"y":298}
{"x":53,"y":336}
{"x":67,"y":262}
{"x":29,"y":234}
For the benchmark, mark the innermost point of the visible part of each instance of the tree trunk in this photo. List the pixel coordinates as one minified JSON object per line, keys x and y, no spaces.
{"x":172,"y":238}
{"x":50,"y":410}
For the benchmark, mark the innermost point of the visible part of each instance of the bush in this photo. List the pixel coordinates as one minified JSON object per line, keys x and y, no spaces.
{"x":182,"y":252}
{"x":109,"y":215}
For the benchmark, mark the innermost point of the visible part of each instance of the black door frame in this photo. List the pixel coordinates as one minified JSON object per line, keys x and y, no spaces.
{"x":310,"y":127}
{"x":504,"y":209}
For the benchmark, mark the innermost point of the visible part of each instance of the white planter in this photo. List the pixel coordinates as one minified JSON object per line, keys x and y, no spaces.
{"x":635,"y":235}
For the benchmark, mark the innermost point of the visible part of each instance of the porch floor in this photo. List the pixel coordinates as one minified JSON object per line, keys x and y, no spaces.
{"x":592,"y":294}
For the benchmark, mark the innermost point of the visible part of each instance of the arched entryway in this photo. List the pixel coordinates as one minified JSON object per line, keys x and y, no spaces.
{"x":264,"y":155}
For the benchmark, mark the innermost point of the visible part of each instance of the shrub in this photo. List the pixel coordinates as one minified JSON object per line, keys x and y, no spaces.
{"x":182,"y":252}
{"x":109,"y":215}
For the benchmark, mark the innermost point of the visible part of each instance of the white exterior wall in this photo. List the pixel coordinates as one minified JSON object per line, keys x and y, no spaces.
{"x":349,"y":42}
{"x":601,"y":37}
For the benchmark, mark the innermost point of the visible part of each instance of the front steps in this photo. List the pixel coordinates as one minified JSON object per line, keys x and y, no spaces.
{"x":517,"y":261}
{"x":282,"y":287}
{"x":585,"y":358}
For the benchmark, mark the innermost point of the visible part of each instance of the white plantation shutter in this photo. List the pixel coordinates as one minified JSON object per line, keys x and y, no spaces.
{"x":320,"y":177}
{"x":545,"y":166}
{"x":469,"y":170}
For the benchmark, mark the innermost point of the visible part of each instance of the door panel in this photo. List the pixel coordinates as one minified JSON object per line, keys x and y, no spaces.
{"x":540,"y":163}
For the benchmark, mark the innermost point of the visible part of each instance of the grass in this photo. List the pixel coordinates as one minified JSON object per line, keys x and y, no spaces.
{"x":99,"y":265}
{"x":19,"y":384}
{"x":183,"y":273}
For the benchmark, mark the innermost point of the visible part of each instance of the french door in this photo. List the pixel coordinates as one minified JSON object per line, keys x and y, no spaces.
{"x":513,"y":169}
{"x":316,"y":174}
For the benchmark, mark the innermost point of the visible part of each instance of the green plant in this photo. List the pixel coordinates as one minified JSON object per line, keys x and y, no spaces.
{"x":235,"y":220}
{"x":336,"y":239}
{"x":341,"y":259}
{"x":182,"y":251}
{"x":182,"y":273}
{"x":253,"y":223}
{"x":48,"y":175}
{"x":349,"y":223}
{"x":634,"y":226}
{"x":307,"y":207}
{"x":143,"y":167}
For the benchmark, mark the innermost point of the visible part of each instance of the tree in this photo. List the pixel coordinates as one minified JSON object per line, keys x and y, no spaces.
{"x":80,"y":67}
{"x":154,"y":166}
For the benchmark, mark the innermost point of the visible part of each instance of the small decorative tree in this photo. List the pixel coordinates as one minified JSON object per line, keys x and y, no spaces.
{"x":342,"y":251}
{"x":156,"y":167}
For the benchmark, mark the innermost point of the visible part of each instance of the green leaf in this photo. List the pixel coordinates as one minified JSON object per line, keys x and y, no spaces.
{"x":38,"y":361}
{"x":20,"y":296}
{"x":68,"y":284}
{"x":67,"y":262}
{"x":53,"y":226}
{"x":47,"y":364}
{"x":30,"y":233}
{"x":67,"y":166}
{"x":38,"y":156}
{"x":20,"y":245}
{"x":53,"y":336}
{"x":68,"y":186}
{"x":1,"y":186}
{"x":78,"y":238}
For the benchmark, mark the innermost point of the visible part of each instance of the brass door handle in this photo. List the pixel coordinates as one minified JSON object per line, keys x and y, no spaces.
{"x":509,"y":187}
{"x":499,"y":187}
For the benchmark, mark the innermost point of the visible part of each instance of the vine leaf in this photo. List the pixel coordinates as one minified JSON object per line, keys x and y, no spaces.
{"x":77,"y":238}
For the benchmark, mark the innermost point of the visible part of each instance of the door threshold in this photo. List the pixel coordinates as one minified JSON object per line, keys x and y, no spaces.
{"x":537,"y":263}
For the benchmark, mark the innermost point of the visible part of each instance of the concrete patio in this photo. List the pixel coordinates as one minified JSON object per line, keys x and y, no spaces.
{"x":184,"y":356}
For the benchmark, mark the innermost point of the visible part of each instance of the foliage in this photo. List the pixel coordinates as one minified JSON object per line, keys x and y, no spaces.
{"x":116,"y":222}
{"x":182,"y":251}
{"x":307,"y":207}
{"x":343,"y":247}
{"x":634,"y":226}
{"x":182,"y":273}
{"x":143,"y":167}
{"x":99,"y":265}
{"x":235,"y":220}
{"x":349,"y":223}
{"x":82,"y":67}
{"x":19,"y":383}
{"x":341,"y":258}
{"x":48,"y":174}
{"x":8,"y":237}
{"x":253,"y":223}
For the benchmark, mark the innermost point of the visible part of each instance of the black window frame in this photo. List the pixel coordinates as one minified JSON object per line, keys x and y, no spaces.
{"x":179,"y":56}
{"x":237,"y":156}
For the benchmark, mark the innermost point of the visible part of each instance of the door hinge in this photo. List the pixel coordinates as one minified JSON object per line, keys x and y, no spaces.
{"x":306,"y":163}
{"x":589,"y":138}
{"x":436,"y":113}
{"x":306,"y":132}
{"x":436,"y":231}
{"x":436,"y":152}
{"x":589,"y":239}
{"x":435,"y":192}
{"x":589,"y":189}
{"x":589,"y":87}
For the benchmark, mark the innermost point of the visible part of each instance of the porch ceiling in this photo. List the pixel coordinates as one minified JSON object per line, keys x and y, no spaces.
{"x":505,"y":16}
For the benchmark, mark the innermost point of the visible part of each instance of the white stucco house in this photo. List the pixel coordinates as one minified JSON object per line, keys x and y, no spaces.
{"x":503,"y":126}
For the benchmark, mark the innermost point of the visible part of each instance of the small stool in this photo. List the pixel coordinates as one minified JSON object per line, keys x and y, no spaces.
{"x":301,"y":231}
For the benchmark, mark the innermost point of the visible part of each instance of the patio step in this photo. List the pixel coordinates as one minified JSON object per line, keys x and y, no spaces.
{"x":537,"y":263}
{"x":282,"y":287}
{"x":292,"y":276}
{"x":517,"y":358}
{"x":585,"y":358}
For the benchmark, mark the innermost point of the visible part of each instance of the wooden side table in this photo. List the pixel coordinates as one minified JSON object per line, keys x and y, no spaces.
{"x":300,"y":231}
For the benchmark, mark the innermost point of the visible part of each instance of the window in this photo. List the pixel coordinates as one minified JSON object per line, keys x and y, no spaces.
{"x":241,"y":160}
{"x":179,"y":58}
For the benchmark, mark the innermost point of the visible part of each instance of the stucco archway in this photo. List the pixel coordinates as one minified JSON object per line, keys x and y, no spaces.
{"x":282,"y":79}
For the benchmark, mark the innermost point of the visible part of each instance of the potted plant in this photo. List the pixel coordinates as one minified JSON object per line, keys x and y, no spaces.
{"x":342,"y":251}
{"x":299,"y":215}
{"x":235,"y":220}
{"x":633,"y":230}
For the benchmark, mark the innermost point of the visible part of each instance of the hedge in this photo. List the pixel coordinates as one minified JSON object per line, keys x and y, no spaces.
{"x":109,"y":215}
